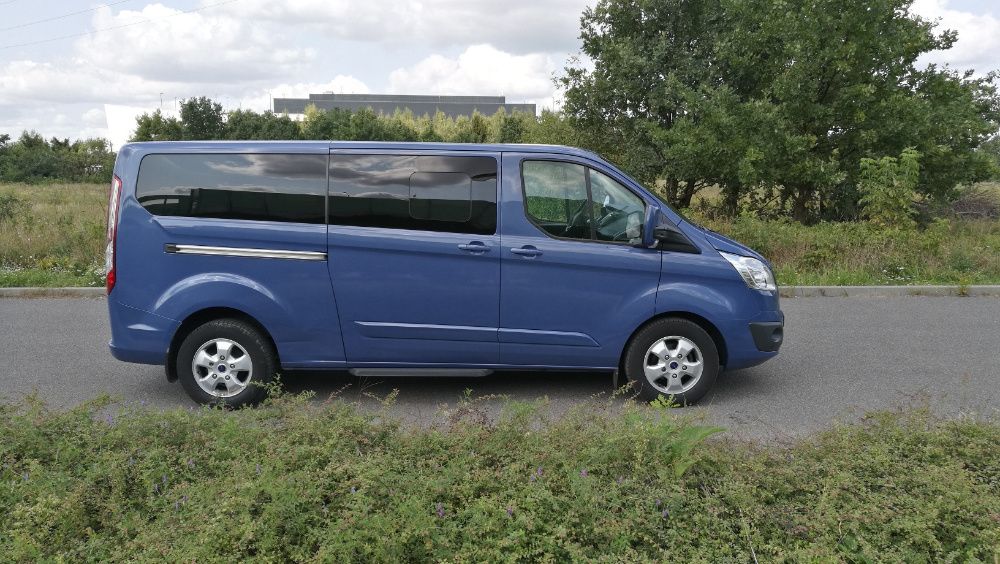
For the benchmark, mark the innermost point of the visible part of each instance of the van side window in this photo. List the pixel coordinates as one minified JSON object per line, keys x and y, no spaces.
{"x":618,"y":213}
{"x":572,"y":201}
{"x":267,"y":187}
{"x":555,"y":195}
{"x":427,"y":193}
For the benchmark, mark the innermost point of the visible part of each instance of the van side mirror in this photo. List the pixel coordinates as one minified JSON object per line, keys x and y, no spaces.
{"x":669,"y":238}
{"x":649,"y":224}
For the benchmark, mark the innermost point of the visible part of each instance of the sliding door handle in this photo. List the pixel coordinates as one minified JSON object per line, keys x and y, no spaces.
{"x":526,"y":251}
{"x":474,"y":247}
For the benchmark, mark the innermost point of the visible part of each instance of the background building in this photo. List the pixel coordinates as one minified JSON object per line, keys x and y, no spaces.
{"x":452,"y":106}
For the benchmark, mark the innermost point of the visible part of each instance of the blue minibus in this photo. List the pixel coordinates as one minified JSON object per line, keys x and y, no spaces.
{"x":229,"y":262}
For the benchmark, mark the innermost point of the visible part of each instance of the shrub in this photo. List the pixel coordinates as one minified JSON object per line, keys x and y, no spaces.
{"x":10,"y":206}
{"x":298,"y":480}
{"x":888,"y":186}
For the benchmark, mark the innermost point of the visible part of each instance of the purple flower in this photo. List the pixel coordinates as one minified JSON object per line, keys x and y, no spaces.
{"x":583,"y":473}
{"x":440,"y":509}
{"x":666,"y":514}
{"x":111,"y":419}
{"x":532,"y":478}
{"x":354,"y":490}
{"x":658,"y":503}
{"x":510,"y":511}
{"x":190,"y":463}
{"x":142,"y":402}
{"x":539,"y":471}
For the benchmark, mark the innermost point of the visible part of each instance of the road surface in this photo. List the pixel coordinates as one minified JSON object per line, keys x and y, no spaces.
{"x":841,"y":358}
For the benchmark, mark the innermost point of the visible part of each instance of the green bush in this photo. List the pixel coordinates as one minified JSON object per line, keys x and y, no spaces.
{"x":888,"y":187}
{"x":299,"y":480}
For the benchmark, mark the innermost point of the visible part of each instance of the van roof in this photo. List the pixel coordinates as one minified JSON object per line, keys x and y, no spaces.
{"x":257,"y":146}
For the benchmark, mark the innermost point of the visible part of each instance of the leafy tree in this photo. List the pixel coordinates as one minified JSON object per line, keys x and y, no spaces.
{"x":202,"y":119}
{"x":330,"y":125}
{"x":157,"y":127}
{"x":777,"y":99}
{"x":248,"y":124}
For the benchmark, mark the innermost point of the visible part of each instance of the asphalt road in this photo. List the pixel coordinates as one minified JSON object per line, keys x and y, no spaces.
{"x":842,"y":357}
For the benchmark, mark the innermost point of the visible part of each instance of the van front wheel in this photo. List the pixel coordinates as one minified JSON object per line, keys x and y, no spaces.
{"x":672,"y":358}
{"x":226,"y":362}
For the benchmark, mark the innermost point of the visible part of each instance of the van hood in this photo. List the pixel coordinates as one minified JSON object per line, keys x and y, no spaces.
{"x":727,"y":245}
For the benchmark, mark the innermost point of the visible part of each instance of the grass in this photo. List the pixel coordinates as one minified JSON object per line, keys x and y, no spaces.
{"x":304,"y":481}
{"x":53,"y":235}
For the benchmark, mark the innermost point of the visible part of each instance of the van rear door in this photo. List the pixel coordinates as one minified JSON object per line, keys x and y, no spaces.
{"x":414,"y":256}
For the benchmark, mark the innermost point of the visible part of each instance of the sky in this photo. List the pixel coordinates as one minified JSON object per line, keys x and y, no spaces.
{"x":68,"y":68}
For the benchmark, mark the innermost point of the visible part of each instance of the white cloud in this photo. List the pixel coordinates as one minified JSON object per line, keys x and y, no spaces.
{"x":978,"y":45}
{"x":517,"y":27}
{"x":199,"y":47}
{"x":480,"y":69}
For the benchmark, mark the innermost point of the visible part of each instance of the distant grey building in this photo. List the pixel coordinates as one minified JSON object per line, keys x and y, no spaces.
{"x":452,"y":106}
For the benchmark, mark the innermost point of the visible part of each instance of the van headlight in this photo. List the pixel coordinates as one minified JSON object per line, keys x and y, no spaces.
{"x":754,"y":272}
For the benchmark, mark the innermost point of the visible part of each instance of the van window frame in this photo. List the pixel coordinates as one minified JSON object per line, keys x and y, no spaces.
{"x":590,"y":199}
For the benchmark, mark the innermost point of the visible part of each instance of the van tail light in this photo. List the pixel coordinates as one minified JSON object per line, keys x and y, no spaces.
{"x":114,"y":198}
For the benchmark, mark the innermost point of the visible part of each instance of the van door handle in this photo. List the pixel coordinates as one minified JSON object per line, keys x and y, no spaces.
{"x":526,"y":251}
{"x":474,"y":247}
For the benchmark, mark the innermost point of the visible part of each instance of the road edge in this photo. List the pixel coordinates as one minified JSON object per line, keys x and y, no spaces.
{"x":785,"y":291}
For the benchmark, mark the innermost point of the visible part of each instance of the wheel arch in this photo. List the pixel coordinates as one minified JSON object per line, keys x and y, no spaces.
{"x":202,"y":316}
{"x":708,"y":326}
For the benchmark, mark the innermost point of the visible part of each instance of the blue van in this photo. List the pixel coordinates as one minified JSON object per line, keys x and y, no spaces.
{"x":228,"y":262}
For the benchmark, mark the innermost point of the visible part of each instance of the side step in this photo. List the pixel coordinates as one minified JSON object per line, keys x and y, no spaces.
{"x":441,"y":372}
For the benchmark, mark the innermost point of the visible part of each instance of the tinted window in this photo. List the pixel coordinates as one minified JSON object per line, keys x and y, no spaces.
{"x":555,"y":195}
{"x":429,"y":193}
{"x":239,"y":186}
{"x":576,"y":202}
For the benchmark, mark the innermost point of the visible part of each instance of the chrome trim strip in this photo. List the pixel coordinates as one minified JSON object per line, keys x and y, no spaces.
{"x":242,"y":252}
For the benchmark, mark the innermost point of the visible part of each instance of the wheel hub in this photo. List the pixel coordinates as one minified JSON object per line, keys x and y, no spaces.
{"x":673,"y":364}
{"x":214,"y":375}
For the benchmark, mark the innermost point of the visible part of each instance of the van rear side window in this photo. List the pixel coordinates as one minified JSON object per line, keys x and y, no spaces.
{"x":427,"y":193}
{"x":265,"y":187}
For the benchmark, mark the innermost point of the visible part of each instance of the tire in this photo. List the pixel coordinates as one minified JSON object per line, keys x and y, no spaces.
{"x":250,"y":363}
{"x":659,"y":373}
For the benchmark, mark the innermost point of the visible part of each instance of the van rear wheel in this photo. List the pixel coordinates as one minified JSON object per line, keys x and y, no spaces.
{"x":672,"y":358}
{"x":226,"y":362}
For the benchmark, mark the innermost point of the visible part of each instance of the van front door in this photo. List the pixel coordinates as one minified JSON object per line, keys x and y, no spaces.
{"x":414,"y":256}
{"x":574,"y":285}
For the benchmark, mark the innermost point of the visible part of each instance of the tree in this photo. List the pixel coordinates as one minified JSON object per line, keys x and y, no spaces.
{"x":781,"y":98}
{"x":652,"y":70}
{"x":156,"y":127}
{"x":202,"y":119}
{"x":248,"y":124}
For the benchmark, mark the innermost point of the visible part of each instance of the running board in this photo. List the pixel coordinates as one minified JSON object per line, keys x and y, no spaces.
{"x":446,"y":372}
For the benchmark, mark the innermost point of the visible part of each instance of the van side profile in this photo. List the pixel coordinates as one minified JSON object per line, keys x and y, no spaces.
{"x":228,"y":262}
